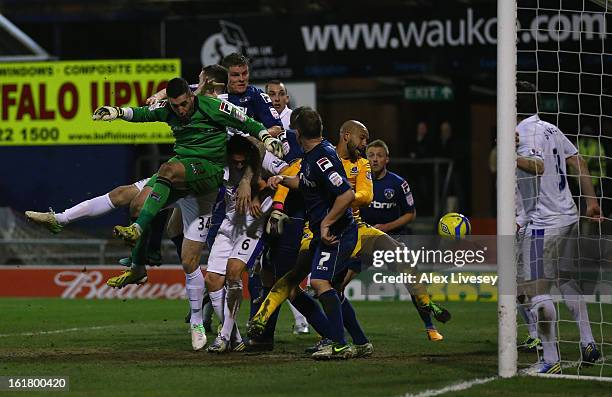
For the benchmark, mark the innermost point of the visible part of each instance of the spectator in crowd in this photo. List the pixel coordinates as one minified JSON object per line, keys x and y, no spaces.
{"x":449,"y":148}
{"x":422,"y":148}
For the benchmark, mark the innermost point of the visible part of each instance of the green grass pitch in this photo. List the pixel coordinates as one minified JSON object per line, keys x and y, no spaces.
{"x":142,"y":347}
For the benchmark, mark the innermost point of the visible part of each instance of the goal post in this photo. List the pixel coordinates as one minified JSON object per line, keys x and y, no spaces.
{"x":506,"y":175}
{"x":564,"y":48}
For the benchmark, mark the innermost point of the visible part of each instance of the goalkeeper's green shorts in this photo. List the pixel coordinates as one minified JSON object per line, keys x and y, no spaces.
{"x":201,"y":176}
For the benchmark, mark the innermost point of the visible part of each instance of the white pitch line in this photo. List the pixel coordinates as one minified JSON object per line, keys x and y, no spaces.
{"x":57,"y":331}
{"x":455,"y":387}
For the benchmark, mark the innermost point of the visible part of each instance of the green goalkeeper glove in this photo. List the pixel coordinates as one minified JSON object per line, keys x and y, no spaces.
{"x":107,"y":113}
{"x":272,"y":145}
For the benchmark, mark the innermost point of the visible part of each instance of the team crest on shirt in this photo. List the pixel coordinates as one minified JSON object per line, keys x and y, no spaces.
{"x":354,"y":170}
{"x":324,"y":163}
{"x":245,"y":99}
{"x":389,"y":193}
{"x":369,"y":175}
{"x":306,"y":181}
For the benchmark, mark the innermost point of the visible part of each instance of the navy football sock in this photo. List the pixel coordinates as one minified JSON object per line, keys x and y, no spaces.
{"x":352,"y":324}
{"x":426,"y":317}
{"x":313,"y":313}
{"x":333,"y":310}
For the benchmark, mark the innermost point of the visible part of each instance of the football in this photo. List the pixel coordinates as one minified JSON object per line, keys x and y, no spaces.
{"x":454,"y":225}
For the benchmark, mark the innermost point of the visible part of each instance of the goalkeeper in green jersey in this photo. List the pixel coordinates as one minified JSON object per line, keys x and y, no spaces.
{"x":199,"y":126}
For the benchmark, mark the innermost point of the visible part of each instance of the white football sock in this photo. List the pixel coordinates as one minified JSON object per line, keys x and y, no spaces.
{"x":194,"y":284}
{"x":529,"y":319}
{"x":299,"y":317}
{"x":228,"y":323}
{"x":577,"y":306}
{"x":544,"y":308}
{"x":96,"y":206}
{"x":217,"y":298}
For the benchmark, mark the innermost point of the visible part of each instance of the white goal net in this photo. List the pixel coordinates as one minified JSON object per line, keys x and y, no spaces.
{"x":564,"y":49}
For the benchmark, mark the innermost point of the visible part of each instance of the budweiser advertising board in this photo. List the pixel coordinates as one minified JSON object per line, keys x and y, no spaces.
{"x":165,"y":282}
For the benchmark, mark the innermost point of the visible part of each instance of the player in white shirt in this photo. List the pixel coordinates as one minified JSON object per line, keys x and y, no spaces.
{"x":550,"y":233}
{"x":239,"y":242}
{"x":277,"y":92}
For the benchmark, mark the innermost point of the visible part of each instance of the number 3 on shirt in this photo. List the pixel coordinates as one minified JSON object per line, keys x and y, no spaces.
{"x":562,"y":180}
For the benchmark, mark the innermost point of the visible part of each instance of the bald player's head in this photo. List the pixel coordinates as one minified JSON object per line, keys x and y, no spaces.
{"x":354,"y":135}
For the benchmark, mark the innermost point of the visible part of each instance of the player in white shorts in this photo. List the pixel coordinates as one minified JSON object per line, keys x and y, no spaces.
{"x":550,"y":234}
{"x":121,"y":196}
{"x":239,"y":241}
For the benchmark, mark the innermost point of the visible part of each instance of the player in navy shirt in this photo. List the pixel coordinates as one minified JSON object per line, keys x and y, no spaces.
{"x":392,"y":209}
{"x":252,"y":100}
{"x":393,"y":206}
{"x":283,"y":247}
{"x":327,"y":197}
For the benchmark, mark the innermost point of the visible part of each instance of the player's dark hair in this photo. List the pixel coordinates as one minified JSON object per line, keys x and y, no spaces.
{"x":526,"y":98}
{"x":294,"y":115}
{"x":379,"y":143}
{"x":215,"y":80}
{"x":216,"y":73}
{"x":275,"y":82}
{"x":234,"y":59}
{"x":177,"y":87}
{"x":309,"y":123}
{"x":239,"y":144}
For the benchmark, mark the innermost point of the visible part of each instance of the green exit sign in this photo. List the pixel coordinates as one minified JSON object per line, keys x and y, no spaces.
{"x":426,"y":93}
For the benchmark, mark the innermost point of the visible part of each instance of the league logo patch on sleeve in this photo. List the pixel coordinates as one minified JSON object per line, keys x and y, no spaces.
{"x":274,"y":113}
{"x":265,"y":97}
{"x":239,"y":114}
{"x":324,"y":163}
{"x":409,"y":199}
{"x":369,"y":175}
{"x":405,"y":187}
{"x":335,"y":179}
